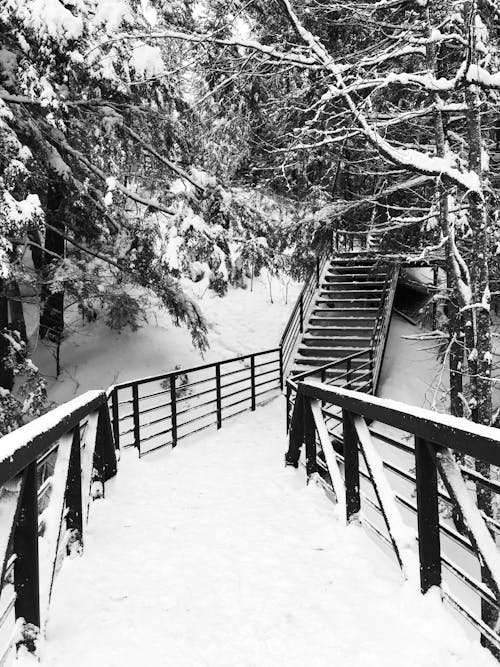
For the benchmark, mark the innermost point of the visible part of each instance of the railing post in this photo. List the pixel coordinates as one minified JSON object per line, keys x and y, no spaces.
{"x":351,"y":465}
{"x":309,"y":438}
{"x":173,"y":410}
{"x":288,"y":391}
{"x":427,"y":516}
{"x":74,"y":514}
{"x":281,"y":368}
{"x":301,"y":313}
{"x":116,"y":417}
{"x":106,"y":445}
{"x":348,"y":373}
{"x":218,"y":392}
{"x":252,"y":380}
{"x":317,"y":271}
{"x":135,"y":411}
{"x":26,"y":574}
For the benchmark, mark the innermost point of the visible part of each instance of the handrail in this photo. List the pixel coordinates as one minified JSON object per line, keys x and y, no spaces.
{"x":70,"y":450}
{"x":436,"y":436}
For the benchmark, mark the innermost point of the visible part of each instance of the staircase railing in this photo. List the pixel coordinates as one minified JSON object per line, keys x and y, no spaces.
{"x":49,"y":471}
{"x":382,"y":323}
{"x":377,"y":477}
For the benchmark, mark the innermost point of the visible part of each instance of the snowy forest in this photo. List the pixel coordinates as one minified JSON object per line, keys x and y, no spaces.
{"x":148,"y":142}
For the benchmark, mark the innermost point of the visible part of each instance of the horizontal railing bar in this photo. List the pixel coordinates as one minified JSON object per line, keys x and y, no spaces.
{"x":231,"y":384}
{"x":230,"y":405}
{"x":459,"y":434}
{"x":391,"y":441}
{"x":157,"y":447}
{"x":194,"y":408}
{"x":154,"y":435}
{"x":377,"y":531}
{"x":179,"y":399}
{"x":157,"y":421}
{"x":481,"y":627}
{"x":186,"y":371}
{"x":266,"y":363}
{"x":152,"y":408}
{"x":474,"y":585}
{"x":243,"y":369}
{"x":195,"y":419}
{"x":235,"y":393}
{"x":156,"y":393}
{"x":189,"y":385}
{"x":479,"y":479}
{"x":261,"y":384}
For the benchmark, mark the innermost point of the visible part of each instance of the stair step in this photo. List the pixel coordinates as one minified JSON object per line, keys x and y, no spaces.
{"x":340,"y":312}
{"x":346,"y":300}
{"x":314,"y":330}
{"x":337,"y":341}
{"x":334,"y":372}
{"x":321,"y":361}
{"x":349,"y":279}
{"x":330,"y":352}
{"x":331,"y":322}
{"x":354,"y":290}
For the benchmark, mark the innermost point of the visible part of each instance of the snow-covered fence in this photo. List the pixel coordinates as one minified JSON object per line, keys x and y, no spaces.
{"x":49,"y":471}
{"x":366,"y":441}
{"x":161,"y":410}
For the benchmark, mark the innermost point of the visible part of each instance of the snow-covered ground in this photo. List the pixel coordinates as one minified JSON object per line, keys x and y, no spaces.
{"x":214,"y":554}
{"x":94,"y":357}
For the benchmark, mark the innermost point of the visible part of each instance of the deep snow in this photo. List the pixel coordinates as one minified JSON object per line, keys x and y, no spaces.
{"x":214,"y":554}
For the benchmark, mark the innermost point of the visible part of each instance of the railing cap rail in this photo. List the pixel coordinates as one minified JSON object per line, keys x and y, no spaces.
{"x":165,"y":376}
{"x":22,"y":446}
{"x":458,"y":433}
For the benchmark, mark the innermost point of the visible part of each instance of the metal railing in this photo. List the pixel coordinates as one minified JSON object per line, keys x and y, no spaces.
{"x":382,"y":323}
{"x":161,"y":410}
{"x":414,"y":496}
{"x":49,"y":471}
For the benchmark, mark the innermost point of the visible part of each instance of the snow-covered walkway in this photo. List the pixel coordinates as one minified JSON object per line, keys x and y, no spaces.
{"x":215,"y":555}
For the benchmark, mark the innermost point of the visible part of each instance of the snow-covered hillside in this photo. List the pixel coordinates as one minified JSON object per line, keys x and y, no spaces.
{"x":94,"y":356}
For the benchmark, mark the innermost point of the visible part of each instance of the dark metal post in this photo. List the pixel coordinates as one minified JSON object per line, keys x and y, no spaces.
{"x":317,"y":271}
{"x":351,"y":465}
{"x":427,"y":516}
{"x":74,"y":514}
{"x":281,"y":368}
{"x":252,"y":380}
{"x":105,"y":445}
{"x":218,"y":392}
{"x":301,"y":313}
{"x":309,"y":438}
{"x":26,"y":574}
{"x":135,"y":410}
{"x":173,"y":410}
{"x":116,"y":417}
{"x":288,"y":391}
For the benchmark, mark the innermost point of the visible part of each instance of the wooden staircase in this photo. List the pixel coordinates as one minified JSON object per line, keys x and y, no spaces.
{"x":345,"y":319}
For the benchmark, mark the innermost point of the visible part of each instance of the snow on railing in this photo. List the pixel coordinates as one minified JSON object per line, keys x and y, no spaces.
{"x":49,"y":471}
{"x":332,"y":424}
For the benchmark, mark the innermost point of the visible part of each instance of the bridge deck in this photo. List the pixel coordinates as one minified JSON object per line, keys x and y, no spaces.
{"x":215,"y":555}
